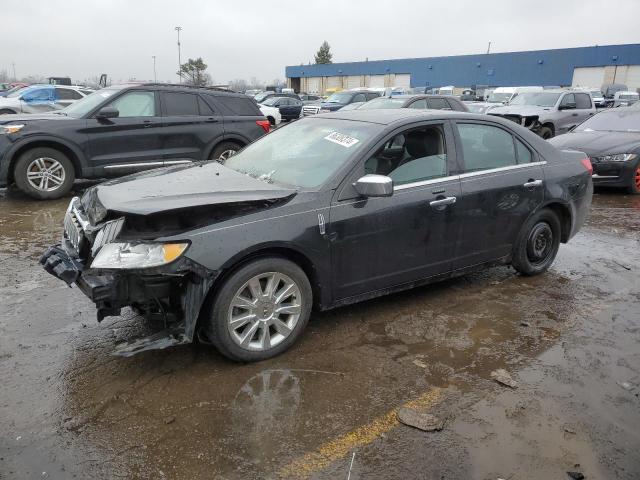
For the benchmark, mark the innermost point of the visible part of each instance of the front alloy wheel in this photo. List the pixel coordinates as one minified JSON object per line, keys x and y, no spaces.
{"x":45,"y":174}
{"x":260,"y":309}
{"x":264,"y":311}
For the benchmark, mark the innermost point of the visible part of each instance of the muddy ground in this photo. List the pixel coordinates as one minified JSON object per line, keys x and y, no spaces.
{"x":327,"y":408}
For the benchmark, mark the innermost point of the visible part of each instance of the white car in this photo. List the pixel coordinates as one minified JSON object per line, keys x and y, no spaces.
{"x":41,"y":98}
{"x":272,"y":114}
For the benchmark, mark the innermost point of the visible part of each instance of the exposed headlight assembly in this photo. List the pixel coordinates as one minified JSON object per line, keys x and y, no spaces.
{"x":617,"y":157}
{"x":137,"y":255}
{"x":6,"y":129}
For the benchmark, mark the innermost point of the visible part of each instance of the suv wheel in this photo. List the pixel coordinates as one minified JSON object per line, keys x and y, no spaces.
{"x":260,"y":310}
{"x":538,"y":244}
{"x":225,"y":150}
{"x":545,"y":132}
{"x":44,"y":173}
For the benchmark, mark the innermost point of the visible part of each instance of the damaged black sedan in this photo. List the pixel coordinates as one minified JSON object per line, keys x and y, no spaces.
{"x":327,"y":211}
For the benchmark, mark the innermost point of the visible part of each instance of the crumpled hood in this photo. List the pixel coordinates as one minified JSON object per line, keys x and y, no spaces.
{"x":178,"y":187}
{"x":598,"y":143}
{"x":30,"y":118}
{"x":523,"y":110}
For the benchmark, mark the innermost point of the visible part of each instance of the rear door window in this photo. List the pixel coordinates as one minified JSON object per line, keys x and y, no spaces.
{"x":485,"y":147}
{"x":178,"y":104}
{"x":359,"y":98}
{"x":420,"y":104}
{"x":204,"y":107}
{"x":524,"y":154}
{"x":438,"y":104}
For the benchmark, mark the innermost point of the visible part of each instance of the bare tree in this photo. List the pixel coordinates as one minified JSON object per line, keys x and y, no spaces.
{"x":238,"y":85}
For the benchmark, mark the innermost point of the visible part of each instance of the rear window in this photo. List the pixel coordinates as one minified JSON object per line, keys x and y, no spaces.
{"x":438,"y":104}
{"x":583,"y":100}
{"x":243,"y":106}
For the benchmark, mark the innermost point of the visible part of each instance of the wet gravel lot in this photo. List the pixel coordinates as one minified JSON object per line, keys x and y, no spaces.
{"x":327,"y":407}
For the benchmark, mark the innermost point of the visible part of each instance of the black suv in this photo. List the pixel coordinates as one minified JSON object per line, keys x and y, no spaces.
{"x":124,"y":129}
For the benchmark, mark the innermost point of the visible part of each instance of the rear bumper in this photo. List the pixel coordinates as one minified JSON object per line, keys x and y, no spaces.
{"x":173,"y":294}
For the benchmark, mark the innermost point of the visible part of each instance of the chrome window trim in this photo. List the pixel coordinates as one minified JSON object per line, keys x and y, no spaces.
{"x":426,"y":182}
{"x":501,"y":169}
{"x":595,"y":175}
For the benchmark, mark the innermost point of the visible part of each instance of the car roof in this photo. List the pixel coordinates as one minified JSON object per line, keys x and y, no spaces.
{"x":181,"y":88}
{"x":389,"y":116}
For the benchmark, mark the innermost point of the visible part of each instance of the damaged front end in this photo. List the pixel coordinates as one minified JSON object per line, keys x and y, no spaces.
{"x":531,"y":122}
{"x":165,"y":286}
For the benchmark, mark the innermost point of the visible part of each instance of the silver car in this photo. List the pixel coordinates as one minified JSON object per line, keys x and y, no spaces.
{"x":548,"y":113}
{"x":41,"y":98}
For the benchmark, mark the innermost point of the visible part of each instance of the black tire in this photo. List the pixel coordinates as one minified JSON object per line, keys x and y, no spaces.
{"x":546,"y":132}
{"x":6,"y":111}
{"x":634,"y":187}
{"x":219,"y":309}
{"x":25,"y":162}
{"x":538,"y":243}
{"x":272,"y":121}
{"x":220,"y":152}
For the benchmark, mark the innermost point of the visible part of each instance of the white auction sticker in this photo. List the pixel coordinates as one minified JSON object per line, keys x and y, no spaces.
{"x":341,"y":139}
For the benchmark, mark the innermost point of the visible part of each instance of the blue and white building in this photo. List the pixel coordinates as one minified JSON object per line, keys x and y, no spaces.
{"x":583,"y":66}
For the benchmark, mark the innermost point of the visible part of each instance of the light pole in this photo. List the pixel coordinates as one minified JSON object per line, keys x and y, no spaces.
{"x":177,"y":29}
{"x":14,"y":71}
{"x":155,"y":79}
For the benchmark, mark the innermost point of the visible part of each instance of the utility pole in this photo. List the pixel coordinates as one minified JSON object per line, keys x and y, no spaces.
{"x":14,"y":71}
{"x":489,"y":48}
{"x":155,"y":78}
{"x":177,"y":29}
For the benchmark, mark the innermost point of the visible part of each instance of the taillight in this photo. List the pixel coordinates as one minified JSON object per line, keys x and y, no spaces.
{"x":266,"y":126}
{"x":586,"y":162}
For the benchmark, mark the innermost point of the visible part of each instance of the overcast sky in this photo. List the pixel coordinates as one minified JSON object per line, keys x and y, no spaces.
{"x":243,"y":39}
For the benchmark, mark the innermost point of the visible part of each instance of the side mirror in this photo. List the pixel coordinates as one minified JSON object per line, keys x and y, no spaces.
{"x":567,"y":106}
{"x":374,"y":186}
{"x":107,"y":112}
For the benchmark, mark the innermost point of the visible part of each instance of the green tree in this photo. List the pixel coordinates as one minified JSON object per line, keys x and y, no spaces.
{"x":194,"y":72}
{"x":324,"y":54}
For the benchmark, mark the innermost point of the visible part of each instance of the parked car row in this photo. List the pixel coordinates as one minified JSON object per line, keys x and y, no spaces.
{"x":41,"y":98}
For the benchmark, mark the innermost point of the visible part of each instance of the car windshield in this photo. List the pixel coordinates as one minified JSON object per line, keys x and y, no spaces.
{"x":619,"y":120}
{"x":339,"y":98}
{"x":383,"y":103}
{"x":596,"y":93}
{"x":500,"y":97}
{"x":304,"y":154}
{"x":629,"y":96}
{"x":16,"y":92}
{"x":82,"y":107}
{"x":537,"y":99}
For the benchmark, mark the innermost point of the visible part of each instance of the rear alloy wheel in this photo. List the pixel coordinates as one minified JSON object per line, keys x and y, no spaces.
{"x":44,"y":173}
{"x":538,"y":244}
{"x":635,"y":181}
{"x":224,"y":151}
{"x":261,"y":310}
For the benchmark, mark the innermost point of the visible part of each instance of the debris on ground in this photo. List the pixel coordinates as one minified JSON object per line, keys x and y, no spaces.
{"x":525,"y":324}
{"x":576,"y":475}
{"x":626,"y":385}
{"x":423,"y":421}
{"x":569,"y":429}
{"x":420,"y":364}
{"x":169,"y":420}
{"x":503,"y":377}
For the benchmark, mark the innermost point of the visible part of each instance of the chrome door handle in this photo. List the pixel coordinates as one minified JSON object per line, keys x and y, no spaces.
{"x":533,"y":183}
{"x":443,"y":201}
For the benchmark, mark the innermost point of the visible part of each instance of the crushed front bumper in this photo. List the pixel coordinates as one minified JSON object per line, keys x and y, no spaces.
{"x":173,"y":294}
